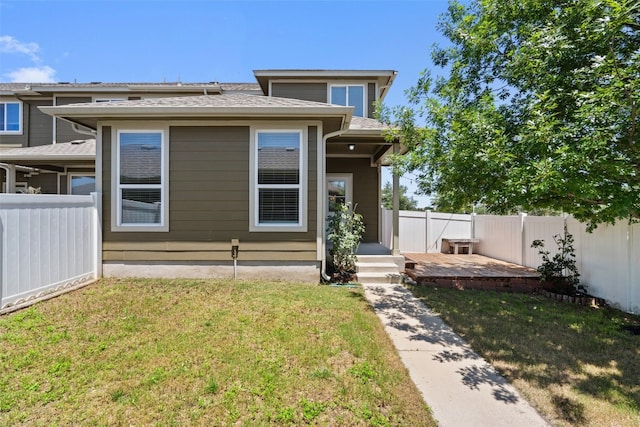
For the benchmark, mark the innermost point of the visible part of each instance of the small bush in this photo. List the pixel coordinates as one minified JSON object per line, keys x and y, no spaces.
{"x":346,"y":228}
{"x":560,"y":271}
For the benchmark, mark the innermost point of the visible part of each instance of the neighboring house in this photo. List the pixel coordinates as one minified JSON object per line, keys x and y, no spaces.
{"x":181,"y":175}
{"x":36,"y":150}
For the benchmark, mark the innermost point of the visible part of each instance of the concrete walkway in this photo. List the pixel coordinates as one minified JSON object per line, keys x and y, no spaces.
{"x":461,"y":388}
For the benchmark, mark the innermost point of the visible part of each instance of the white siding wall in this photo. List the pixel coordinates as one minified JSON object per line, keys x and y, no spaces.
{"x":500,"y":237}
{"x":540,"y":228}
{"x":47,"y":242}
{"x":608,"y":260}
{"x":424,"y":231}
{"x":413,"y":231}
{"x":447,"y":226}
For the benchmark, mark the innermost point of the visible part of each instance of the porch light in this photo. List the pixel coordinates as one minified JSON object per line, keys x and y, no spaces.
{"x":352,"y":147}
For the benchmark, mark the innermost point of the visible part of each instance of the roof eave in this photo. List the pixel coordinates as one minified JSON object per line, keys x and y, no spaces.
{"x":48,"y":157}
{"x":73,"y":114}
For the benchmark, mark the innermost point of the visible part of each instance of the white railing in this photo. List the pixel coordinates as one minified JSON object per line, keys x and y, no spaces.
{"x":608,"y":259}
{"x":47,"y":243}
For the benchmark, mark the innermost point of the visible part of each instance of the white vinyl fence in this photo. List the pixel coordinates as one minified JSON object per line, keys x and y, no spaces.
{"x":423,"y":231}
{"x":47,"y":243}
{"x":608,"y":259}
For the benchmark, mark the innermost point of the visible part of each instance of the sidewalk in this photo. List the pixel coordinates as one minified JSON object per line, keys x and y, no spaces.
{"x":461,"y":388}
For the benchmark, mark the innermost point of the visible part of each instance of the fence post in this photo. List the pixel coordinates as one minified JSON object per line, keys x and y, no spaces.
{"x":96,"y":227}
{"x":630,"y":306}
{"x":523,"y":244}
{"x":473,"y":225}
{"x":427,"y":230}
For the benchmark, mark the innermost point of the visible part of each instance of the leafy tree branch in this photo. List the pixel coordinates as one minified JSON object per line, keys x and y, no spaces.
{"x":538,"y":109}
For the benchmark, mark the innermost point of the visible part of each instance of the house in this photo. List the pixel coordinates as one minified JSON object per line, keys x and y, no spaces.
{"x":184,"y":170}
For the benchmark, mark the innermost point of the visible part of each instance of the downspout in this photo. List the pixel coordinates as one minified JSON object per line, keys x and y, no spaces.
{"x":85,"y":131}
{"x":322,"y":205}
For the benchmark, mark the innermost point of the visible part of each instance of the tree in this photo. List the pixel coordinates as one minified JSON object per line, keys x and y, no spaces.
{"x":407,"y":203}
{"x":538,"y":110}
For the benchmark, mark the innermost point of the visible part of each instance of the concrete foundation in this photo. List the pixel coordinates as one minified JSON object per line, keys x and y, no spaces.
{"x":308,"y":272}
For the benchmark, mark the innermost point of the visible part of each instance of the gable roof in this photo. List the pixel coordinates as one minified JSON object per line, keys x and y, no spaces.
{"x":384,"y":78}
{"x":232,"y":105}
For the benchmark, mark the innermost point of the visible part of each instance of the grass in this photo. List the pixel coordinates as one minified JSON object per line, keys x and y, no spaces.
{"x":190,"y":352}
{"x":575,"y":364}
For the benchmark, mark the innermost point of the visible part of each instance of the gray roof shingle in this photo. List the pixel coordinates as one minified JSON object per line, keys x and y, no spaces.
{"x":74,"y":149}
{"x":229,"y":100}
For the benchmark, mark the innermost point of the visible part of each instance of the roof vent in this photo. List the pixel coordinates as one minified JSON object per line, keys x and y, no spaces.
{"x":95,"y":83}
{"x":63,"y":83}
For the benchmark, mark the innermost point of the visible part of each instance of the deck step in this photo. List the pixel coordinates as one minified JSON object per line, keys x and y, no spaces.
{"x":376,"y":267}
{"x":378,"y":277}
{"x":382,"y":259}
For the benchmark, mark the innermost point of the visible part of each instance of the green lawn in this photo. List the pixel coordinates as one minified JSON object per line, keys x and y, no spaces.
{"x":195,"y":352}
{"x":576,"y":365}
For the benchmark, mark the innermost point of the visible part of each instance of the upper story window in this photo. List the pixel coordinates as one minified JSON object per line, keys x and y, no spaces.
{"x":349,"y":95}
{"x":141,"y":181}
{"x":10,"y":117}
{"x":278,"y":176}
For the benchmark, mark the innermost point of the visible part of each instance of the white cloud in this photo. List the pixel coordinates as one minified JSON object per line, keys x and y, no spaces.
{"x":8,"y":44}
{"x":44,"y":74}
{"x":36,"y":74}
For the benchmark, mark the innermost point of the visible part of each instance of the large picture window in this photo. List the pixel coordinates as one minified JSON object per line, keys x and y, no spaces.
{"x":10,"y":117}
{"x":278,"y":177}
{"x":350,"y":96}
{"x":141,"y":181}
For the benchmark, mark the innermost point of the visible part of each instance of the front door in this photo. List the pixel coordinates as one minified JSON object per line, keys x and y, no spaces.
{"x":339,"y":190}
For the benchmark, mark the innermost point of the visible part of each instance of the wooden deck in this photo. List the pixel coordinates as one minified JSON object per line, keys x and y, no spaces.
{"x":470,"y":272}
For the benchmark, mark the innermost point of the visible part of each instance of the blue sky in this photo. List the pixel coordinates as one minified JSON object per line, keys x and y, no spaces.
{"x":201,"y":41}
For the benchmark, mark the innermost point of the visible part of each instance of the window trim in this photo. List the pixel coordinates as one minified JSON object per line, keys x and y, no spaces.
{"x":20,"y":118}
{"x":71,"y":175}
{"x":116,"y":187}
{"x":254,"y":187}
{"x":365,"y":104}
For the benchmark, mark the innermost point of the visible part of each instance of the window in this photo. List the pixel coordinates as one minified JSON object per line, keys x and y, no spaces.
{"x":278,"y":197}
{"x":339,"y":191}
{"x":81,"y":184}
{"x":349,"y":95}
{"x":10,"y":117}
{"x":101,"y":100}
{"x":141,"y":181}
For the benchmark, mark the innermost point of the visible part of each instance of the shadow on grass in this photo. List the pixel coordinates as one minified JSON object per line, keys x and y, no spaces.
{"x":548,"y":343}
{"x":569,"y":409}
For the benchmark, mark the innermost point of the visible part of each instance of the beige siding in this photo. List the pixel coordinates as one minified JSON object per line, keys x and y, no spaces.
{"x":209,"y":203}
{"x":64,"y":131}
{"x":306,"y":91}
{"x":365,"y":190}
